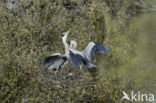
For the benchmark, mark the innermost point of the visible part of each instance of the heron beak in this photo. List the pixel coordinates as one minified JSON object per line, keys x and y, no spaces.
{"x":68,"y":31}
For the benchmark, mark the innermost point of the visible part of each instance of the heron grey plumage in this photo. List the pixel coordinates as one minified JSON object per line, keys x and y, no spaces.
{"x":93,"y":47}
{"x":12,"y":5}
{"x":56,"y":61}
{"x":79,"y":58}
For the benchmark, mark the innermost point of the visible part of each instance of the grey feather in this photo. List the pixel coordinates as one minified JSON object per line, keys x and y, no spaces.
{"x":101,"y":48}
{"x":90,"y":65}
{"x":93,"y":47}
{"x":55,"y":61}
{"x":76,"y":57}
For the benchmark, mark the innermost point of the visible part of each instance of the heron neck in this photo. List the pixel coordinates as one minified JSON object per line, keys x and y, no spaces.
{"x":64,"y":40}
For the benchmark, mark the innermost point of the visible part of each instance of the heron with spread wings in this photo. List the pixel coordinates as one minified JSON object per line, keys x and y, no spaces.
{"x":78,"y":58}
{"x":57,"y":60}
{"x":85,"y":57}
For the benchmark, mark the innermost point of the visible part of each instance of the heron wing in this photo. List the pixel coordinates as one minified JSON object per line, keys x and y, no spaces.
{"x":76,"y":57}
{"x":55,"y":61}
{"x":93,"y":47}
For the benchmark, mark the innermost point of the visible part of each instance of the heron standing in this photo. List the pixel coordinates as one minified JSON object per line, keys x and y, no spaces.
{"x":57,"y":60}
{"x":79,"y":58}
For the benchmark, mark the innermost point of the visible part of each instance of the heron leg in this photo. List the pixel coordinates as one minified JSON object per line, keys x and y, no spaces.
{"x":80,"y":69}
{"x":56,"y":73}
{"x":70,"y":74}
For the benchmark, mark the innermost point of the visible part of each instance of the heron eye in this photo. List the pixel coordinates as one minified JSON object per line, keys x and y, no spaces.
{"x":62,"y":34}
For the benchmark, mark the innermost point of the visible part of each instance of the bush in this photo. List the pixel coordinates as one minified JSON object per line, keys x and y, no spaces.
{"x":29,"y":32}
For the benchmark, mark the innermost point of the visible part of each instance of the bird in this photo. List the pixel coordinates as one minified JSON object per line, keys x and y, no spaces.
{"x":79,"y":58}
{"x":12,"y":5}
{"x":72,"y":44}
{"x":57,"y":60}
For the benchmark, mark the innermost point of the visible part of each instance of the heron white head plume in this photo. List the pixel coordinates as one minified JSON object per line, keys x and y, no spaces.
{"x":72,"y":44}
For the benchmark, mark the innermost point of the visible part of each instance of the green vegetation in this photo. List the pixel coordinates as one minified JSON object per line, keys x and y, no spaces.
{"x":30,"y":32}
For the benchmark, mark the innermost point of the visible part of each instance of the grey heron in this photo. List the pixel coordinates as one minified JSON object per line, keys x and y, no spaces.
{"x":12,"y":5}
{"x":56,"y":61}
{"x":79,"y":58}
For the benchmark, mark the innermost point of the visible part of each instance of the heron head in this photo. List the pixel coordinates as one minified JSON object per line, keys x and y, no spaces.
{"x":62,"y":34}
{"x":72,"y":44}
{"x":65,"y":33}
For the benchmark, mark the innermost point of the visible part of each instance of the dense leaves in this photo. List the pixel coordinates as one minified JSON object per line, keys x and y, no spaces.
{"x":29,"y":32}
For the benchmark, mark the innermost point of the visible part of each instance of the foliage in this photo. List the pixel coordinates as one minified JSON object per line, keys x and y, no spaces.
{"x":30,"y":32}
